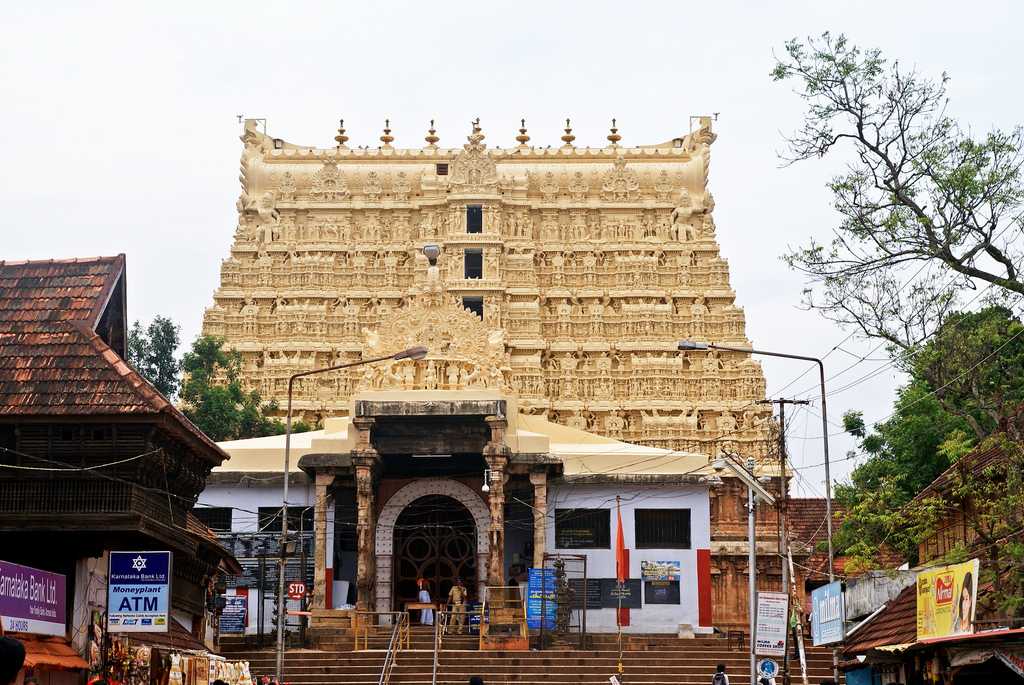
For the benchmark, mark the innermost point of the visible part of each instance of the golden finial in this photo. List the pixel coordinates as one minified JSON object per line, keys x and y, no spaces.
{"x":568,"y":137}
{"x":387,"y":137}
{"x":432,"y":135}
{"x":477,"y":136}
{"x":341,"y":138}
{"x":522,"y":137}
{"x":614,"y":135}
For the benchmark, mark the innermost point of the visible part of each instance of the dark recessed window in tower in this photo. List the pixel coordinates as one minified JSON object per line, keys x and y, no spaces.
{"x":473,"y":263}
{"x":475,"y":305}
{"x":442,"y":169}
{"x":474,"y":219}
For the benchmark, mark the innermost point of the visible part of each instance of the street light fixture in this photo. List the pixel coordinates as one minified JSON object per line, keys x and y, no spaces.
{"x":690,"y":345}
{"x":418,"y":352}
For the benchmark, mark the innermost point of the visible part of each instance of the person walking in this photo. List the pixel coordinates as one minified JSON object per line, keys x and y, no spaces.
{"x":720,"y":678}
{"x":457,"y":602}
{"x":426,"y":615}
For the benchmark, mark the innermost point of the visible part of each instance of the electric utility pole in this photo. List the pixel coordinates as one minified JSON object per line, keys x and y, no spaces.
{"x":783,"y":501}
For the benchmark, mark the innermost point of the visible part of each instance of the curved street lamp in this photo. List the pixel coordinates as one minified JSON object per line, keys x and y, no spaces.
{"x":418,"y":352}
{"x":690,"y":345}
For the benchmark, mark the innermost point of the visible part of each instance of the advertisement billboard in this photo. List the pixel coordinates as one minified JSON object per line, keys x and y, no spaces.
{"x":31,"y":600}
{"x":139,"y":592}
{"x":946,"y":599}
{"x":772,"y":622}
{"x":828,"y":614}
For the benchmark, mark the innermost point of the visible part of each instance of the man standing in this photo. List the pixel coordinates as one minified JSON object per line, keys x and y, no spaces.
{"x":457,"y":601}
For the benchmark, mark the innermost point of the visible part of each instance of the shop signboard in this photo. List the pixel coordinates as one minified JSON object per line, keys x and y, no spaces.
{"x":946,"y":597}
{"x":660,"y":570}
{"x":233,"y":616}
{"x":139,"y":592}
{"x":31,"y":600}
{"x":540,"y":598}
{"x":827,"y":614}
{"x":772,"y":615}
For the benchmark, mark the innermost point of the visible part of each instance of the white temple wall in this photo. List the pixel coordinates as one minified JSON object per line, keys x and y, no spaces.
{"x":653,"y":618}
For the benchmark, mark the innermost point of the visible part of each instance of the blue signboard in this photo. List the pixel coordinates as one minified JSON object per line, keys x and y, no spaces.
{"x":827,"y":614}
{"x":139,"y":592}
{"x":540,"y":598}
{"x":234,"y":614}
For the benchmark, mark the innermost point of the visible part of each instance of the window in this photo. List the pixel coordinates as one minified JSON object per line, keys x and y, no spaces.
{"x":442,"y":169}
{"x":662,"y":528}
{"x":583,"y":528}
{"x":474,"y":219}
{"x":473,"y":263}
{"x":215,"y":518}
{"x":475,"y":305}
{"x":270,"y":519}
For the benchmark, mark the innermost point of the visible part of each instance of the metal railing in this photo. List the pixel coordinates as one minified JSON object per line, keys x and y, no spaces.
{"x":440,"y":628}
{"x":379,"y":623}
{"x":399,"y":632}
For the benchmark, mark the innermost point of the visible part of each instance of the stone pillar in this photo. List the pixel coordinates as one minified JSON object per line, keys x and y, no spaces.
{"x":322,"y":482}
{"x":364,"y":460}
{"x":539,"y":479}
{"x":496,"y":454}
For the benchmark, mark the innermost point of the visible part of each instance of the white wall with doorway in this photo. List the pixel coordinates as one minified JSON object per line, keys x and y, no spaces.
{"x":651,"y":618}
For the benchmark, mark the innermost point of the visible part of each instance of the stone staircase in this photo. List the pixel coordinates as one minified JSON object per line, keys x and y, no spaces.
{"x":654,"y":660}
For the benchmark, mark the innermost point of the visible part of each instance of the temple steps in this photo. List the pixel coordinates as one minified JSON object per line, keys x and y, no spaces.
{"x":650,"y":660}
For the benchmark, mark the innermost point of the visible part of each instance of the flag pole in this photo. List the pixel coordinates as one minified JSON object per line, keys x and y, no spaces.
{"x":621,"y":575}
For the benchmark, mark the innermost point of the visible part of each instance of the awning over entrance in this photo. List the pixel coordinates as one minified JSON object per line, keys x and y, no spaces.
{"x":51,"y":652}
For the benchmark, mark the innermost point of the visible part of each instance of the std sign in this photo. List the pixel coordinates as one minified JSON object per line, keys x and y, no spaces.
{"x":139,"y":592}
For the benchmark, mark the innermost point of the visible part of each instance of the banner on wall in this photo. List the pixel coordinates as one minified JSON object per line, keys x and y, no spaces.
{"x":772,"y":622}
{"x":946,"y":599}
{"x":660,"y":570}
{"x":139,"y":592}
{"x":828,"y":614}
{"x":31,"y":600}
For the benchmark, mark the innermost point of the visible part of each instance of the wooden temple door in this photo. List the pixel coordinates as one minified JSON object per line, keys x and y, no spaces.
{"x":435,"y":539}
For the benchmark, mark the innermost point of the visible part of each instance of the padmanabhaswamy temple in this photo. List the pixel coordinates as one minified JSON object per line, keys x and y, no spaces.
{"x":551,"y":286}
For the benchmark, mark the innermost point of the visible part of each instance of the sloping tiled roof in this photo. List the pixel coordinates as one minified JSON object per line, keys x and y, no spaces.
{"x":52,"y":361}
{"x":806,"y":520}
{"x":975,"y":462}
{"x":895,"y":625}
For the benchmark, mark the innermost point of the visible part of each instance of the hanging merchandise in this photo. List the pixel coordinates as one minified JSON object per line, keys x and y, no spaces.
{"x":174,"y":674}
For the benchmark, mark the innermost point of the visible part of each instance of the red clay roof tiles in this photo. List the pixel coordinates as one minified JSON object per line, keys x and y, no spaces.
{"x":52,"y":361}
{"x":895,"y":625}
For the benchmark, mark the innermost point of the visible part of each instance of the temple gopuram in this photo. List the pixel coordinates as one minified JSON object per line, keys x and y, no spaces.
{"x":592,"y":262}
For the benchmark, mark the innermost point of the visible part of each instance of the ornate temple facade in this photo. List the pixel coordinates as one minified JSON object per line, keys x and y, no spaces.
{"x":588,"y":264}
{"x":551,"y":287}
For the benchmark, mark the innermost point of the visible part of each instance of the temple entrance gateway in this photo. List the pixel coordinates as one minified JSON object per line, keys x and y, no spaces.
{"x":433,"y":528}
{"x":435,"y":539}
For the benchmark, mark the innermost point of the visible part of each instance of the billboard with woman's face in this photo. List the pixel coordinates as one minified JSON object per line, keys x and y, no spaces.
{"x":946,"y":599}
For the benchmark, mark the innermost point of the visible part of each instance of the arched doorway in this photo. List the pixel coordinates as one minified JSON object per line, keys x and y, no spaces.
{"x":435,"y":539}
{"x":393,"y":508}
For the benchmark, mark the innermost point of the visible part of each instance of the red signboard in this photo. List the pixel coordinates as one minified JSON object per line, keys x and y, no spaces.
{"x":296,"y":590}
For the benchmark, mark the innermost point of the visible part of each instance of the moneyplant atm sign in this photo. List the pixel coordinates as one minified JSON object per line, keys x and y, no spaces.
{"x":139,"y":592}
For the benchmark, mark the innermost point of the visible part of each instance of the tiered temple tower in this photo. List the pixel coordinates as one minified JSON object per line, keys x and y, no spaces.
{"x":594,"y":262}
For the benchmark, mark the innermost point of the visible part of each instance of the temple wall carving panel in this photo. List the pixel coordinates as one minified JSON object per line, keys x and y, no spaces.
{"x":593,"y":263}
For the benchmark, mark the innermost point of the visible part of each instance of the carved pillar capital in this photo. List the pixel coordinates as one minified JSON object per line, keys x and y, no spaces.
{"x":363,"y":425}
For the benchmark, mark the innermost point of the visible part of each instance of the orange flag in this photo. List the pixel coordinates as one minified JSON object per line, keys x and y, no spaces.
{"x":621,"y":556}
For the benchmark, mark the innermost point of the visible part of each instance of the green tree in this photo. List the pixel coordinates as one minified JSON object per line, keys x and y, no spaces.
{"x":920,"y":194}
{"x":215,"y":400}
{"x":965,"y":386}
{"x":151,"y":352}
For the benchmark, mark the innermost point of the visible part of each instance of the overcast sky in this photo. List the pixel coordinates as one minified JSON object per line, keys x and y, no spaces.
{"x":121,"y":132}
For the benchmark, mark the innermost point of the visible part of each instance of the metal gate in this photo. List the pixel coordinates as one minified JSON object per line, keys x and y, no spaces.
{"x":571,"y":593}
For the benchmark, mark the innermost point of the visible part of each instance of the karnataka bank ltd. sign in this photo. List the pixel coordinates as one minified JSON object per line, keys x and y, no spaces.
{"x":31,"y":600}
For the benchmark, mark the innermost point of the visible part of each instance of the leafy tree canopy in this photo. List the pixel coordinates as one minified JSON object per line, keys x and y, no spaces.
{"x":965,"y":386}
{"x":151,"y":352}
{"x":214,"y":399}
{"x":927,"y":209}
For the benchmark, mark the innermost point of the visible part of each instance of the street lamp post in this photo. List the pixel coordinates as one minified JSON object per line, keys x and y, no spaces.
{"x":692,"y":345}
{"x":411,"y":353}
